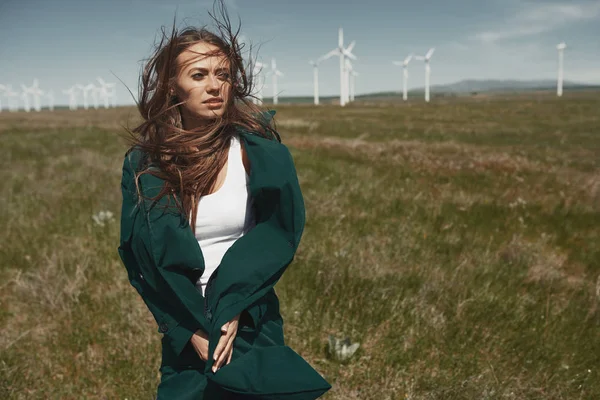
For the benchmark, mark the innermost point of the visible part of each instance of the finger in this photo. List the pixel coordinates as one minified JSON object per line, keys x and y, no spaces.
{"x":230,"y":354}
{"x":225,"y":353}
{"x":225,"y":327}
{"x":220,"y":346}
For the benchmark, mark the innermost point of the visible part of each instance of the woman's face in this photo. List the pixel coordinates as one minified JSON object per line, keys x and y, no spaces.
{"x":202,"y":83}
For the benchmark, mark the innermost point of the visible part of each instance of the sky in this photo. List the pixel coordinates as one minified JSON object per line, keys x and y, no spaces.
{"x":65,"y":42}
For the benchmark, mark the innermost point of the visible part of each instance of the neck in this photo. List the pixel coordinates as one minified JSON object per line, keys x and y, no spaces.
{"x":190,"y":123}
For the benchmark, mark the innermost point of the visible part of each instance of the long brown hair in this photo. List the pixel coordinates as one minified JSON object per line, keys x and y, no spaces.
{"x":189,"y":161}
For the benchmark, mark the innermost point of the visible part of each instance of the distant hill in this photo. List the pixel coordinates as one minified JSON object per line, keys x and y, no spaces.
{"x":461,"y":88}
{"x":472,"y":85}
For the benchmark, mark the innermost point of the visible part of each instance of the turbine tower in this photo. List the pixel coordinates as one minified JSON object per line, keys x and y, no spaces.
{"x":11,"y":95}
{"x":315,"y":65}
{"x":50,"y":97}
{"x":72,"y":92}
{"x":404,"y":65}
{"x":274,"y":74}
{"x":256,"y":72}
{"x":25,"y":92}
{"x":104,"y":93}
{"x":2,"y":92}
{"x":315,"y":80}
{"x":87,"y":90}
{"x":426,"y":58}
{"x":35,"y":92}
{"x":343,"y":53}
{"x":561,"y":50}
{"x":351,"y":75}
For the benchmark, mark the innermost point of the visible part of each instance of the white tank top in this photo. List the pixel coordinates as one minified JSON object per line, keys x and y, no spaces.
{"x":225,"y":215}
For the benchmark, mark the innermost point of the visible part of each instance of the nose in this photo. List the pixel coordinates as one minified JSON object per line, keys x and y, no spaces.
{"x":213,"y":84}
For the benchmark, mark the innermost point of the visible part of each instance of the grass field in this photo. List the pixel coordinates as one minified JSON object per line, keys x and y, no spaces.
{"x":458,"y":242}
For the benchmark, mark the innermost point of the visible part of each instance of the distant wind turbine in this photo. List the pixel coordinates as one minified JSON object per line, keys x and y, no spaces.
{"x":35,"y":92}
{"x":274,"y":74}
{"x":404,"y":65}
{"x":11,"y":96}
{"x":352,"y":74}
{"x":87,"y":90}
{"x":315,"y":65}
{"x":259,"y":82}
{"x":2,"y":92}
{"x":72,"y":92}
{"x":343,"y":53}
{"x":561,"y":50}
{"x":104,"y":92}
{"x":426,"y":58}
{"x":50,"y":97}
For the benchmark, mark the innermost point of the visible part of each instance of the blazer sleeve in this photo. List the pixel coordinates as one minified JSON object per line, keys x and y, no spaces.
{"x":163,"y":260}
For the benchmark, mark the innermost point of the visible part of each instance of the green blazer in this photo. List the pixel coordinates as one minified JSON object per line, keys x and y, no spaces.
{"x":164,"y":260}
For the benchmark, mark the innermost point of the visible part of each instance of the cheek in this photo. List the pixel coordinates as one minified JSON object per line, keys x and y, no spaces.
{"x":191,"y":92}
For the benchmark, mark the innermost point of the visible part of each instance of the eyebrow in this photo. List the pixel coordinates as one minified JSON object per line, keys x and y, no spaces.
{"x":204,"y":70}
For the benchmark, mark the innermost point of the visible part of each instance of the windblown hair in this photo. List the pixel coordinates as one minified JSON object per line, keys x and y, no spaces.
{"x":189,"y":161}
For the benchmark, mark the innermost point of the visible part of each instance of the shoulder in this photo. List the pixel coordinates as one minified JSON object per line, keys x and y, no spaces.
{"x":269,"y":150}
{"x":136,"y":161}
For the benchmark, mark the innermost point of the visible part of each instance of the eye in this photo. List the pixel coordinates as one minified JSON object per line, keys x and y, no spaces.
{"x":224,"y":75}
{"x":198,"y":75}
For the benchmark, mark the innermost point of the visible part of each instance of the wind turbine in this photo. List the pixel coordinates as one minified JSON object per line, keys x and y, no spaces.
{"x":315,"y":65}
{"x":72,"y":92}
{"x":35,"y":93}
{"x":11,"y":95}
{"x":351,"y":75}
{"x":50,"y":97}
{"x":404,"y":65}
{"x":103,"y":91}
{"x":2,"y":91}
{"x":561,"y":50}
{"x":87,"y":90}
{"x":343,"y":53}
{"x":26,"y":91}
{"x":426,"y":58}
{"x":274,"y":74}
{"x":256,"y":72}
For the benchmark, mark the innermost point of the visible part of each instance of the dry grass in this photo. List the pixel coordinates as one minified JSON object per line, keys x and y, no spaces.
{"x":458,"y":242}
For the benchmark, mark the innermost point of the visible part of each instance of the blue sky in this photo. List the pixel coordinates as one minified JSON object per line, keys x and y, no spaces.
{"x":63,"y":42}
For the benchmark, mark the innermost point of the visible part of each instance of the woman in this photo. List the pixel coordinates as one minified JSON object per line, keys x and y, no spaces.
{"x":212,"y":215}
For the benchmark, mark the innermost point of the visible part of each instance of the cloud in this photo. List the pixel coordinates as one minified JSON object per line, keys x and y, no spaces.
{"x":536,"y":18}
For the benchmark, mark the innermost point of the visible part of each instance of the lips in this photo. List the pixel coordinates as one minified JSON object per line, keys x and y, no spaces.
{"x":216,"y":100}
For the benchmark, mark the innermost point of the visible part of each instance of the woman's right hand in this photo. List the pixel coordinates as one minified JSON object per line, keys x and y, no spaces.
{"x":200,"y":342}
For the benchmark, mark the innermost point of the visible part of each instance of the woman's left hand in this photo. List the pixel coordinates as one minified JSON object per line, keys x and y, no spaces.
{"x":224,"y":348}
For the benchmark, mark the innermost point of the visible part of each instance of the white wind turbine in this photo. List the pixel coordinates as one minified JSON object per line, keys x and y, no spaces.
{"x":2,"y":92}
{"x":25,"y":92}
{"x":426,"y":58}
{"x":11,"y":96}
{"x":35,"y":92}
{"x":561,"y":50}
{"x":89,"y":89}
{"x":104,"y":92}
{"x":50,"y":97}
{"x":343,"y":53}
{"x":404,"y":65}
{"x":257,"y":75}
{"x":351,"y":76}
{"x":315,"y":65}
{"x":274,"y":74}
{"x":72,"y":92}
